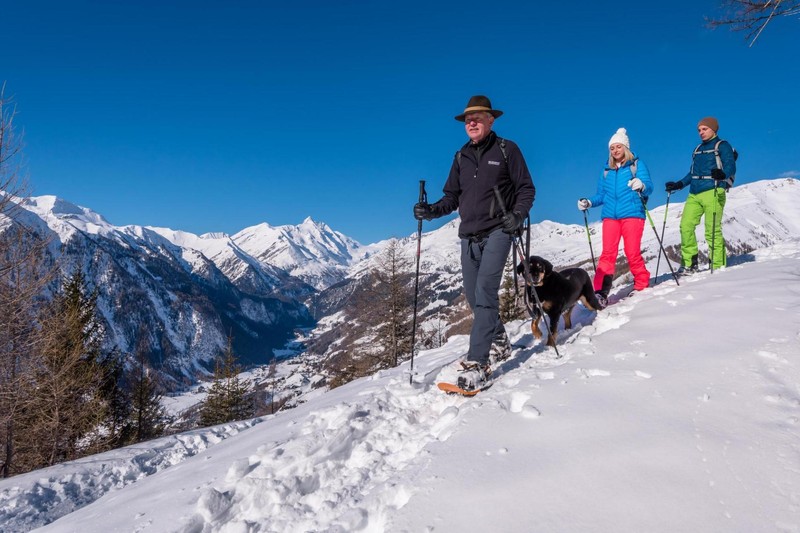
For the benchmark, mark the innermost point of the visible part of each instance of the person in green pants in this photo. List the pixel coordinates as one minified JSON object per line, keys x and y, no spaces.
{"x":709,"y":178}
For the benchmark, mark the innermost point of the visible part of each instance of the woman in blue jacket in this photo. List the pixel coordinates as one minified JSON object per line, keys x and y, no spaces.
{"x":619,"y":187}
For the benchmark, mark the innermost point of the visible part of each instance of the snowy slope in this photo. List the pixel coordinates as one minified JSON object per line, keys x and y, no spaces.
{"x":677,"y":409}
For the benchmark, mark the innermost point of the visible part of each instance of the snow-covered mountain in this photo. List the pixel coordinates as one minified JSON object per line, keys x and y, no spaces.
{"x":676,"y":409}
{"x":186,"y":293}
{"x":311,"y":251}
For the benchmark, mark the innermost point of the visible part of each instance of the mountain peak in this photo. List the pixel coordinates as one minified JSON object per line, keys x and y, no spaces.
{"x":60,"y":208}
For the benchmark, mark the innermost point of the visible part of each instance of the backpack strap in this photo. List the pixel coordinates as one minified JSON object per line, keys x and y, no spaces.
{"x":715,"y":151}
{"x":698,"y":151}
{"x":632,"y":167}
{"x":502,"y":143}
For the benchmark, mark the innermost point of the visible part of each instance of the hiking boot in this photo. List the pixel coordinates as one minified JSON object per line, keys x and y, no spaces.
{"x":501,"y":348}
{"x":602,"y":299}
{"x":473,"y":376}
{"x":688,"y":270}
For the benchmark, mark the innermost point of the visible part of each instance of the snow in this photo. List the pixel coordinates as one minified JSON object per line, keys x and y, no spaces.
{"x":675,"y":409}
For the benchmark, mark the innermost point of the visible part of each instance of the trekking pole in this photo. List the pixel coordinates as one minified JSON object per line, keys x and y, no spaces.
{"x":423,"y":197}
{"x":663,"y":229}
{"x":714,"y":228}
{"x":589,"y":236}
{"x":660,"y":243}
{"x":515,"y":238}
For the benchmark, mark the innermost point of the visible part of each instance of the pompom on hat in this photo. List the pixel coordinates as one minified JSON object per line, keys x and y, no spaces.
{"x":621,"y":137}
{"x":476,"y":104}
{"x":709,"y":122}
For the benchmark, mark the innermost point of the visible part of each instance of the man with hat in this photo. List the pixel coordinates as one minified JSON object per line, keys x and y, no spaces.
{"x":484,"y":162}
{"x":710,"y":176}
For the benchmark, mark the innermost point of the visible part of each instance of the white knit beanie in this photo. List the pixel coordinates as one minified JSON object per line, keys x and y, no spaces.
{"x":621,"y":137}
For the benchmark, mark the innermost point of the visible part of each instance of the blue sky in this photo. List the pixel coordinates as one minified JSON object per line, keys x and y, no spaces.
{"x":214,"y":116}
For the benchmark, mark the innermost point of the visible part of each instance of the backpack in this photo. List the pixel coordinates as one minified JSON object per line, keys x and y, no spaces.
{"x":729,"y":179}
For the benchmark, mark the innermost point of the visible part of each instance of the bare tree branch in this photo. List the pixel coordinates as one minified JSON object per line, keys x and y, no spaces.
{"x":753,"y":16}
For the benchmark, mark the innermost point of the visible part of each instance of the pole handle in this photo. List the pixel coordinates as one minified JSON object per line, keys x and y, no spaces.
{"x":423,"y":196}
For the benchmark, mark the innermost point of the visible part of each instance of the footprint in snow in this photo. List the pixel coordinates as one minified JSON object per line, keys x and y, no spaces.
{"x":516,"y":402}
{"x":781,"y":400}
{"x":592,"y":372}
{"x":661,"y":290}
{"x":622,"y":356}
{"x":443,"y":427}
{"x":772,"y":356}
{"x":530,"y":412}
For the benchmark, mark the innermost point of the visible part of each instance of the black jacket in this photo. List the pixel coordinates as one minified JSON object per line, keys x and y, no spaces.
{"x":469,"y":187}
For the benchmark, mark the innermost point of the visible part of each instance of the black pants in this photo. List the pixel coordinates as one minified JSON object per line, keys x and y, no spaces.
{"x":482,"y":263}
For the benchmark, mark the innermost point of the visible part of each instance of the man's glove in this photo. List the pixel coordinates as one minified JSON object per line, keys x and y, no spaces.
{"x":423,"y":211}
{"x":512,"y":221}
{"x":672,"y":186}
{"x":718,"y":175}
{"x":584,"y":204}
{"x":636,"y":184}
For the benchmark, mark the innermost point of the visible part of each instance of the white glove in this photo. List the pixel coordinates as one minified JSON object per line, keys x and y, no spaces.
{"x":636,"y":184}
{"x":584,"y":204}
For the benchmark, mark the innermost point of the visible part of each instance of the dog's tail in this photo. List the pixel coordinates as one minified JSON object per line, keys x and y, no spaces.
{"x":588,"y":297}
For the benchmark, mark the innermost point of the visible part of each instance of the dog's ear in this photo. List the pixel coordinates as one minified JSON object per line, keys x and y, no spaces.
{"x":520,"y":268}
{"x":548,"y":267}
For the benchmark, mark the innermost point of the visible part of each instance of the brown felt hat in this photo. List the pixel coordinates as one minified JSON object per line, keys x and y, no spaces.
{"x":476,"y":104}
{"x":709,"y":122}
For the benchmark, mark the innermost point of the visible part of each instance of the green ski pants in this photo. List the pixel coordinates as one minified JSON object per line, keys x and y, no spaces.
{"x":708,"y":204}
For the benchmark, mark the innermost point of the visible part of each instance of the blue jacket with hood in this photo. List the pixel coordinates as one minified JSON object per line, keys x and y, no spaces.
{"x":619,"y":200}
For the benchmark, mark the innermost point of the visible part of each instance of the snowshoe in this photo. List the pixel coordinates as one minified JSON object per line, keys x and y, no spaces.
{"x":473,"y":376}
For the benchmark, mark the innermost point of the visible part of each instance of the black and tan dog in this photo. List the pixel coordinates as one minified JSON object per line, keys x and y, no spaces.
{"x":558,"y":292}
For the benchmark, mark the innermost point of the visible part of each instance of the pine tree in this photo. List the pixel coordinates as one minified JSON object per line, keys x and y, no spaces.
{"x":433,"y":336}
{"x":64,"y":419}
{"x":510,"y":296}
{"x":148,"y":416}
{"x":272,"y":376}
{"x":115,"y":390}
{"x":230,"y":397}
{"x":394,"y":304}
